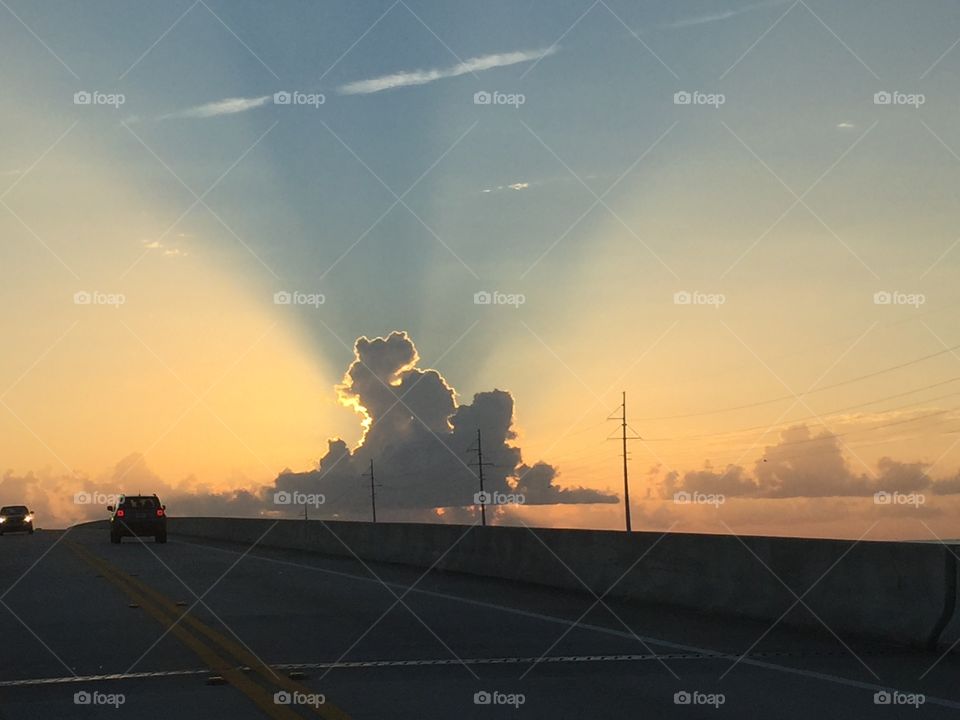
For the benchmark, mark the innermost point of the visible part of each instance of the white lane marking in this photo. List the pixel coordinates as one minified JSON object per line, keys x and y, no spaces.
{"x":827,"y":677}
{"x":350,"y":665}
{"x":100,"y":678}
{"x":490,"y":661}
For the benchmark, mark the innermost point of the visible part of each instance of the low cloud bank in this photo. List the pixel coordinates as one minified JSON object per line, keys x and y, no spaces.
{"x":804,"y":465}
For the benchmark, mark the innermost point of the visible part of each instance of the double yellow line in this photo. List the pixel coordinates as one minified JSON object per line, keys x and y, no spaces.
{"x":217,"y":651}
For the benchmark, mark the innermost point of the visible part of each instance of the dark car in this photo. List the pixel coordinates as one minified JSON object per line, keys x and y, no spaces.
{"x":16,"y":518}
{"x":138,"y":516}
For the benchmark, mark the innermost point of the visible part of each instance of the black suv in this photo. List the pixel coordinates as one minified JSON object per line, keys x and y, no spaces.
{"x":137,"y":516}
{"x":16,"y":518}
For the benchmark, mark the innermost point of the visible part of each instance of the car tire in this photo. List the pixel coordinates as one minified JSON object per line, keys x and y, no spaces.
{"x":30,"y":531}
{"x":161,"y":538}
{"x":114,"y":538}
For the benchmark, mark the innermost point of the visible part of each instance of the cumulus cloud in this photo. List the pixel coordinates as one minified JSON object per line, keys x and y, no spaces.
{"x":806,"y":465}
{"x":408,"y":78}
{"x":537,"y":485}
{"x":732,"y":481}
{"x":421,"y":439}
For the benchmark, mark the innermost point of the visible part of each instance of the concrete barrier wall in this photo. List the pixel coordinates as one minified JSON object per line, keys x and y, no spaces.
{"x":901,"y":592}
{"x":948,"y":638}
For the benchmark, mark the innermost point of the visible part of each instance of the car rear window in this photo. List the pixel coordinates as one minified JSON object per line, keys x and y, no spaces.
{"x":139,"y":503}
{"x":14,"y":510}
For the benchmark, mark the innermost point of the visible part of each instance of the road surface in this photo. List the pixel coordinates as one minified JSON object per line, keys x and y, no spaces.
{"x":199,"y":629}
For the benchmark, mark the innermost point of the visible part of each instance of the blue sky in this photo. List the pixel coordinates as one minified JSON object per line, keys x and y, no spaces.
{"x":597,"y":199}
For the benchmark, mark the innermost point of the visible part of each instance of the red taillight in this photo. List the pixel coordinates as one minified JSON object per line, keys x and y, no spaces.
{"x":120,"y":513}
{"x":159,"y":513}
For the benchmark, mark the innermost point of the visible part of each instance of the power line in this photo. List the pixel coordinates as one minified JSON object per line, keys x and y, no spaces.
{"x":795,"y":396}
{"x":825,"y":415}
{"x":914,"y":317}
{"x":848,"y":433}
{"x":580,"y":469}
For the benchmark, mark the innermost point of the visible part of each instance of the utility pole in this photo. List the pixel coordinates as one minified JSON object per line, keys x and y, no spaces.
{"x":373,"y":491}
{"x":480,"y":463}
{"x":624,"y":437}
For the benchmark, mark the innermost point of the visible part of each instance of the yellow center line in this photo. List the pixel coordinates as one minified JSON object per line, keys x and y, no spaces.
{"x":236,"y":678}
{"x":175,"y":618}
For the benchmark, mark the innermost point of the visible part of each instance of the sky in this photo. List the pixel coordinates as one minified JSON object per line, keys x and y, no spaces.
{"x":228,"y":225}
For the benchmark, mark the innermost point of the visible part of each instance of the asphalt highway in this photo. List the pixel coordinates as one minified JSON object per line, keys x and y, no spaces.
{"x":199,"y":629}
